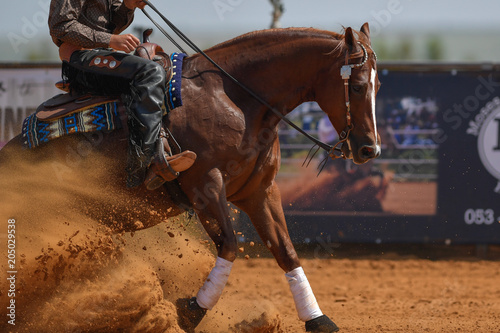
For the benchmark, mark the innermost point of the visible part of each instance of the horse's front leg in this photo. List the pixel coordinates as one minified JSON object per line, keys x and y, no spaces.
{"x":212,"y":208}
{"x":266,"y":212}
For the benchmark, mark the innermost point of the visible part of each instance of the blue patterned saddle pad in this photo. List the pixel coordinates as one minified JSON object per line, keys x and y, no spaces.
{"x":104,"y":117}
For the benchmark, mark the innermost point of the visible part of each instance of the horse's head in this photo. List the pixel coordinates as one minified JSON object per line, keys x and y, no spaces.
{"x":346,"y":92}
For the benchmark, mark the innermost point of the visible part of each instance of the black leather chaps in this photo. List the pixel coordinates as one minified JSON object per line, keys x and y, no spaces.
{"x":140,"y":83}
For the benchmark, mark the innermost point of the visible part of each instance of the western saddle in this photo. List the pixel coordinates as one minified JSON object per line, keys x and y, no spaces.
{"x":165,"y":166}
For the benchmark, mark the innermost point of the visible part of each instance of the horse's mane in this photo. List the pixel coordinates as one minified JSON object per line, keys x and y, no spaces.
{"x":281,"y":34}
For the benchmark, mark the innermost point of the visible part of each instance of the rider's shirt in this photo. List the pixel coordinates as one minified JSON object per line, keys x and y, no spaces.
{"x":87,"y":23}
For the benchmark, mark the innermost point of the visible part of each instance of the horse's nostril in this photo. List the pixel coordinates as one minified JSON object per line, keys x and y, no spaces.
{"x":368,"y":152}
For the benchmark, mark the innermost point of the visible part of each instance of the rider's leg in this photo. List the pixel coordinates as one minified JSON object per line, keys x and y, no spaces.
{"x":148,"y":89}
{"x":142,"y":82}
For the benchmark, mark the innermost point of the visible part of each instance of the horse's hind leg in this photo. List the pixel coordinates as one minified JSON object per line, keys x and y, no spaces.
{"x":212,"y":208}
{"x":265,"y":210}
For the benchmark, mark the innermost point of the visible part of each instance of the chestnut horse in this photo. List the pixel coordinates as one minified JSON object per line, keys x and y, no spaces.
{"x":236,"y":140}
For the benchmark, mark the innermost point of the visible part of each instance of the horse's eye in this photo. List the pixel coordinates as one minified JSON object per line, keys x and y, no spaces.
{"x":357,"y":88}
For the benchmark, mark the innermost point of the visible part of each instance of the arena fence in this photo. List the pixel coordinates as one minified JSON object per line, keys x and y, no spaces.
{"x":438,"y":179}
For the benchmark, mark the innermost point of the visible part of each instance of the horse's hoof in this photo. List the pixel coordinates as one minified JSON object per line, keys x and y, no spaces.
{"x":322,"y":324}
{"x":189,"y":314}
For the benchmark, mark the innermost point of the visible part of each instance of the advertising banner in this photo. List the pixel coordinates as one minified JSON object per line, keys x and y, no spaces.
{"x":21,"y":91}
{"x":437,"y":180}
{"x":469,"y":169}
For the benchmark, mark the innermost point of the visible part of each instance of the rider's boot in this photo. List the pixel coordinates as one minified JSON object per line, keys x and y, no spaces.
{"x":165,"y":166}
{"x":144,"y":127}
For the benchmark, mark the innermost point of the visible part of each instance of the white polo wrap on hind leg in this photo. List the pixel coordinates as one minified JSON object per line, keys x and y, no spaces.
{"x":210,"y":293}
{"x":305,"y":302}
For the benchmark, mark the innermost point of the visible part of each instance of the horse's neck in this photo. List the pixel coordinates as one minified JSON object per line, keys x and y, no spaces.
{"x":281,"y":71}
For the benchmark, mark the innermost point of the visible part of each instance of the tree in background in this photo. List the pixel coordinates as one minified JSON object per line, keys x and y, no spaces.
{"x":435,"y":48}
{"x":278,"y":9}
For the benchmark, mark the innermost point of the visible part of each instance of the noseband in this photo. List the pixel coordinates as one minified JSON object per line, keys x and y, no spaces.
{"x":345,"y":72}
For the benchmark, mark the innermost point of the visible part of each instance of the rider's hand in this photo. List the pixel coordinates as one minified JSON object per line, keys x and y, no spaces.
{"x":132,"y":4}
{"x":126,"y":43}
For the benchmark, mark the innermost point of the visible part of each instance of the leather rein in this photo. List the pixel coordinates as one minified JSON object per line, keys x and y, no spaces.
{"x":345,"y":72}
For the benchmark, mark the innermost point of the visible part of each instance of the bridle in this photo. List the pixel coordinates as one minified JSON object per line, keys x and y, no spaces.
{"x":345,"y":72}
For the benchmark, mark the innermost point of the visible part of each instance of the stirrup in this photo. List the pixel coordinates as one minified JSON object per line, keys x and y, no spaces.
{"x":166,"y":168}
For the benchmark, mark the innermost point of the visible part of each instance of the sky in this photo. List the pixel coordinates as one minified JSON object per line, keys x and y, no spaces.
{"x":25,"y":21}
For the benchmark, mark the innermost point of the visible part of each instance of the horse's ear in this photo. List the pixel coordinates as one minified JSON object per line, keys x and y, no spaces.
{"x":366,"y":30}
{"x":350,"y":40}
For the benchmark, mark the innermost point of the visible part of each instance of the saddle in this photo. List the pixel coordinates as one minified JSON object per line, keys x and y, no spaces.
{"x":68,"y":103}
{"x":165,"y":166}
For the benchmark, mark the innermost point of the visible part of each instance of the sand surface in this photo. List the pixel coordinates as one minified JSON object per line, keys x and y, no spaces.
{"x":378,"y":295}
{"x":130,"y":283}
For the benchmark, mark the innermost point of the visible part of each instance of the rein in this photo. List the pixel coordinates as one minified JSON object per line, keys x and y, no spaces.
{"x":345,"y":73}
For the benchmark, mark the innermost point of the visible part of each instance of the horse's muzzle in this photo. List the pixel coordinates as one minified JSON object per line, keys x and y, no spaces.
{"x":367,"y":152}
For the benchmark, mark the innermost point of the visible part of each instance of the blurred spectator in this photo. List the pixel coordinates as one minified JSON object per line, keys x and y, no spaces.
{"x":326,"y":131}
{"x":307,"y":120}
{"x":410,"y":114}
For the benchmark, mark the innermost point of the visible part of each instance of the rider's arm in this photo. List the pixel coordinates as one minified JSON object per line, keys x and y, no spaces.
{"x":121,"y":16}
{"x":65,"y":26}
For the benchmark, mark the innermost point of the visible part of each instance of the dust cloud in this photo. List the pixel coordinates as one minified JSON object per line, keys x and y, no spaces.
{"x":78,"y":274}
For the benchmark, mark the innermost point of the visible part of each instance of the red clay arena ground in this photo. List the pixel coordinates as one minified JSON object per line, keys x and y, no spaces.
{"x":131,"y":288}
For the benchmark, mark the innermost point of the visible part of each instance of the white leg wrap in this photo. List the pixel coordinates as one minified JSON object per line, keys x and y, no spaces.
{"x":210,"y":293}
{"x":305,"y":302}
